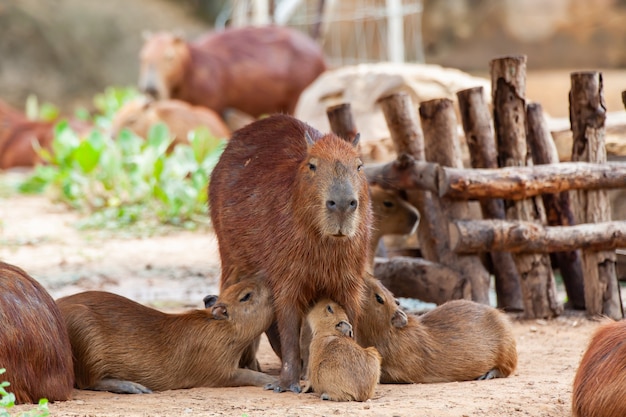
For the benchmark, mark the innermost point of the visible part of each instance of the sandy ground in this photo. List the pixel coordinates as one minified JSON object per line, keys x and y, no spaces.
{"x":175,"y":271}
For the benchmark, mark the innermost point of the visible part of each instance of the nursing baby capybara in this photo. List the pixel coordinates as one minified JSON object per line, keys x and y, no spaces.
{"x":34,"y":345}
{"x":600,"y":382}
{"x":339,"y":369}
{"x":458,"y":341}
{"x":125,"y":347}
{"x":292,"y":203}
{"x":180,"y":117}
{"x":258,"y":70}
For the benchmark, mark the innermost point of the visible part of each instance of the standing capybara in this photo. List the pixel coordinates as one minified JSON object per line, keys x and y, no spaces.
{"x":122,"y":346}
{"x":181,"y":118}
{"x":293,"y":204}
{"x":458,"y":341}
{"x":600,"y":382}
{"x":34,"y":345}
{"x":339,"y":369}
{"x":257,"y":70}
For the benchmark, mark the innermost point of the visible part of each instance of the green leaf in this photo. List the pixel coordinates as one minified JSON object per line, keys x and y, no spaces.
{"x":88,"y":152}
{"x":159,"y":138}
{"x":48,"y":112}
{"x":32,"y":107}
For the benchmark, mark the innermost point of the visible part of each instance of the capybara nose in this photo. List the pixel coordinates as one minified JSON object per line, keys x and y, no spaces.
{"x":151,"y":91}
{"x":342,"y":205}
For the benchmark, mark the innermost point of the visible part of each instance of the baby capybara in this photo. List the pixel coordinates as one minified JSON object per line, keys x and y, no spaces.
{"x":257,"y":70}
{"x":458,"y":341}
{"x":339,"y":369}
{"x":34,"y":345}
{"x":600,"y":382}
{"x":125,"y":347}
{"x":292,"y":203}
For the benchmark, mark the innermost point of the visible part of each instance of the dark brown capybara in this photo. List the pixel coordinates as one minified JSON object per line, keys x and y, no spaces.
{"x":339,"y":369}
{"x":293,"y":204}
{"x":34,"y":345}
{"x":122,"y":346}
{"x":257,"y":70}
{"x":600,"y":381}
{"x":458,"y":341}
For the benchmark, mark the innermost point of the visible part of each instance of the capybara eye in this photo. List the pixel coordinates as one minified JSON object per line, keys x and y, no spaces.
{"x":388,"y":203}
{"x":329,"y":309}
{"x":245,"y":297}
{"x":397,"y":302}
{"x":359,"y":167}
{"x":312,"y":166}
{"x":380,"y":299}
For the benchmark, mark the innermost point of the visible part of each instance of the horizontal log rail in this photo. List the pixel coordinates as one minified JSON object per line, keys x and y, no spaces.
{"x":471,"y":236}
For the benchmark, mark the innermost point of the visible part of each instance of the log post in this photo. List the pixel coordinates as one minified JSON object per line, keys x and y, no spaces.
{"x":558,"y":209}
{"x":442,"y":146}
{"x":477,"y":125}
{"x":341,"y":121}
{"x":587,"y":116}
{"x":508,"y":83}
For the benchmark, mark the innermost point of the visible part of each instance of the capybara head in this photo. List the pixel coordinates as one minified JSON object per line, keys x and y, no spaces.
{"x":328,"y":317}
{"x":392,"y":214}
{"x":381,"y":313}
{"x":162,"y":67}
{"x":334,"y":186}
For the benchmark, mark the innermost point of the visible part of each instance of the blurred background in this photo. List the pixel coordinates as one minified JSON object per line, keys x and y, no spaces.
{"x":65,"y":51}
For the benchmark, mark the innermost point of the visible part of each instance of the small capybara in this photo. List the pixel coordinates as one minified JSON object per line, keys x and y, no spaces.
{"x":458,"y":341}
{"x":293,"y":204}
{"x":34,"y":344}
{"x":339,"y":369}
{"x":180,"y":117}
{"x":600,"y":382}
{"x":125,"y":347}
{"x":257,"y":70}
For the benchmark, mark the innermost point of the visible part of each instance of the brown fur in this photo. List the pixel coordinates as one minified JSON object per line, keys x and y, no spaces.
{"x":34,"y":345}
{"x":339,"y":369}
{"x":258,"y":70}
{"x":457,"y":341}
{"x":122,"y":346}
{"x":600,"y":382}
{"x":181,"y":118}
{"x":271,"y":202}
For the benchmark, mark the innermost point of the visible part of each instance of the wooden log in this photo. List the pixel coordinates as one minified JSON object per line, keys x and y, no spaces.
{"x":558,"y":209}
{"x":508,"y":77}
{"x":341,"y":121}
{"x":443,"y":147}
{"x":520,"y":182}
{"x":477,"y":125}
{"x":407,"y":137}
{"x":421,"y":279}
{"x":587,"y":116}
{"x":530,"y":237}
{"x":404,"y":173}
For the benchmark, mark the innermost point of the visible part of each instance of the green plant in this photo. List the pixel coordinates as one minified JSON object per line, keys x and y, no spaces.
{"x":7,"y":401}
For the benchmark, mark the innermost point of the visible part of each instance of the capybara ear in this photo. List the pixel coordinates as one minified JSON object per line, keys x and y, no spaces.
{"x":345,"y":328}
{"x":309,"y":139}
{"x":146,"y":35}
{"x":209,"y":300}
{"x":220,"y":312}
{"x":399,"y":319}
{"x":355,"y":142}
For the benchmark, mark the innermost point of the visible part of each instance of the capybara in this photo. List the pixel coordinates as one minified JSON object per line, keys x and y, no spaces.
{"x":458,"y":341}
{"x":180,"y":117}
{"x":339,"y":369}
{"x":392,"y":216}
{"x":122,"y":346}
{"x":34,"y":345}
{"x":258,"y":70}
{"x":293,"y":204}
{"x":600,"y":382}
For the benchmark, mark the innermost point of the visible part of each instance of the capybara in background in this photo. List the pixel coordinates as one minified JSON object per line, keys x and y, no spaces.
{"x":600,"y":382}
{"x":339,"y":369}
{"x":258,"y":70}
{"x":34,"y":345}
{"x":125,"y":347}
{"x":181,"y":118}
{"x":458,"y":341}
{"x":293,"y":204}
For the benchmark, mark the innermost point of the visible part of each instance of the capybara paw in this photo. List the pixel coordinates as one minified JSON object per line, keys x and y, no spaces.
{"x":121,"y":387}
{"x":325,"y":397}
{"x":278,"y":387}
{"x":493,"y":373}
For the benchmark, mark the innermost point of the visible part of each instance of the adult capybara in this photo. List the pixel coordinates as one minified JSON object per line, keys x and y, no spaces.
{"x":122,"y":346}
{"x":292,"y":203}
{"x":34,"y":345}
{"x":180,"y":117}
{"x":338,"y":368}
{"x":600,"y":382}
{"x":458,"y":341}
{"x":258,"y":70}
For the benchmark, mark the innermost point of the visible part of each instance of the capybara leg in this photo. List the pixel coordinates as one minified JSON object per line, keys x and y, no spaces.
{"x":494,"y":373}
{"x":289,"y":327}
{"x":244,"y":377}
{"x":248,"y":359}
{"x":274,"y":338}
{"x":120,"y":387}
